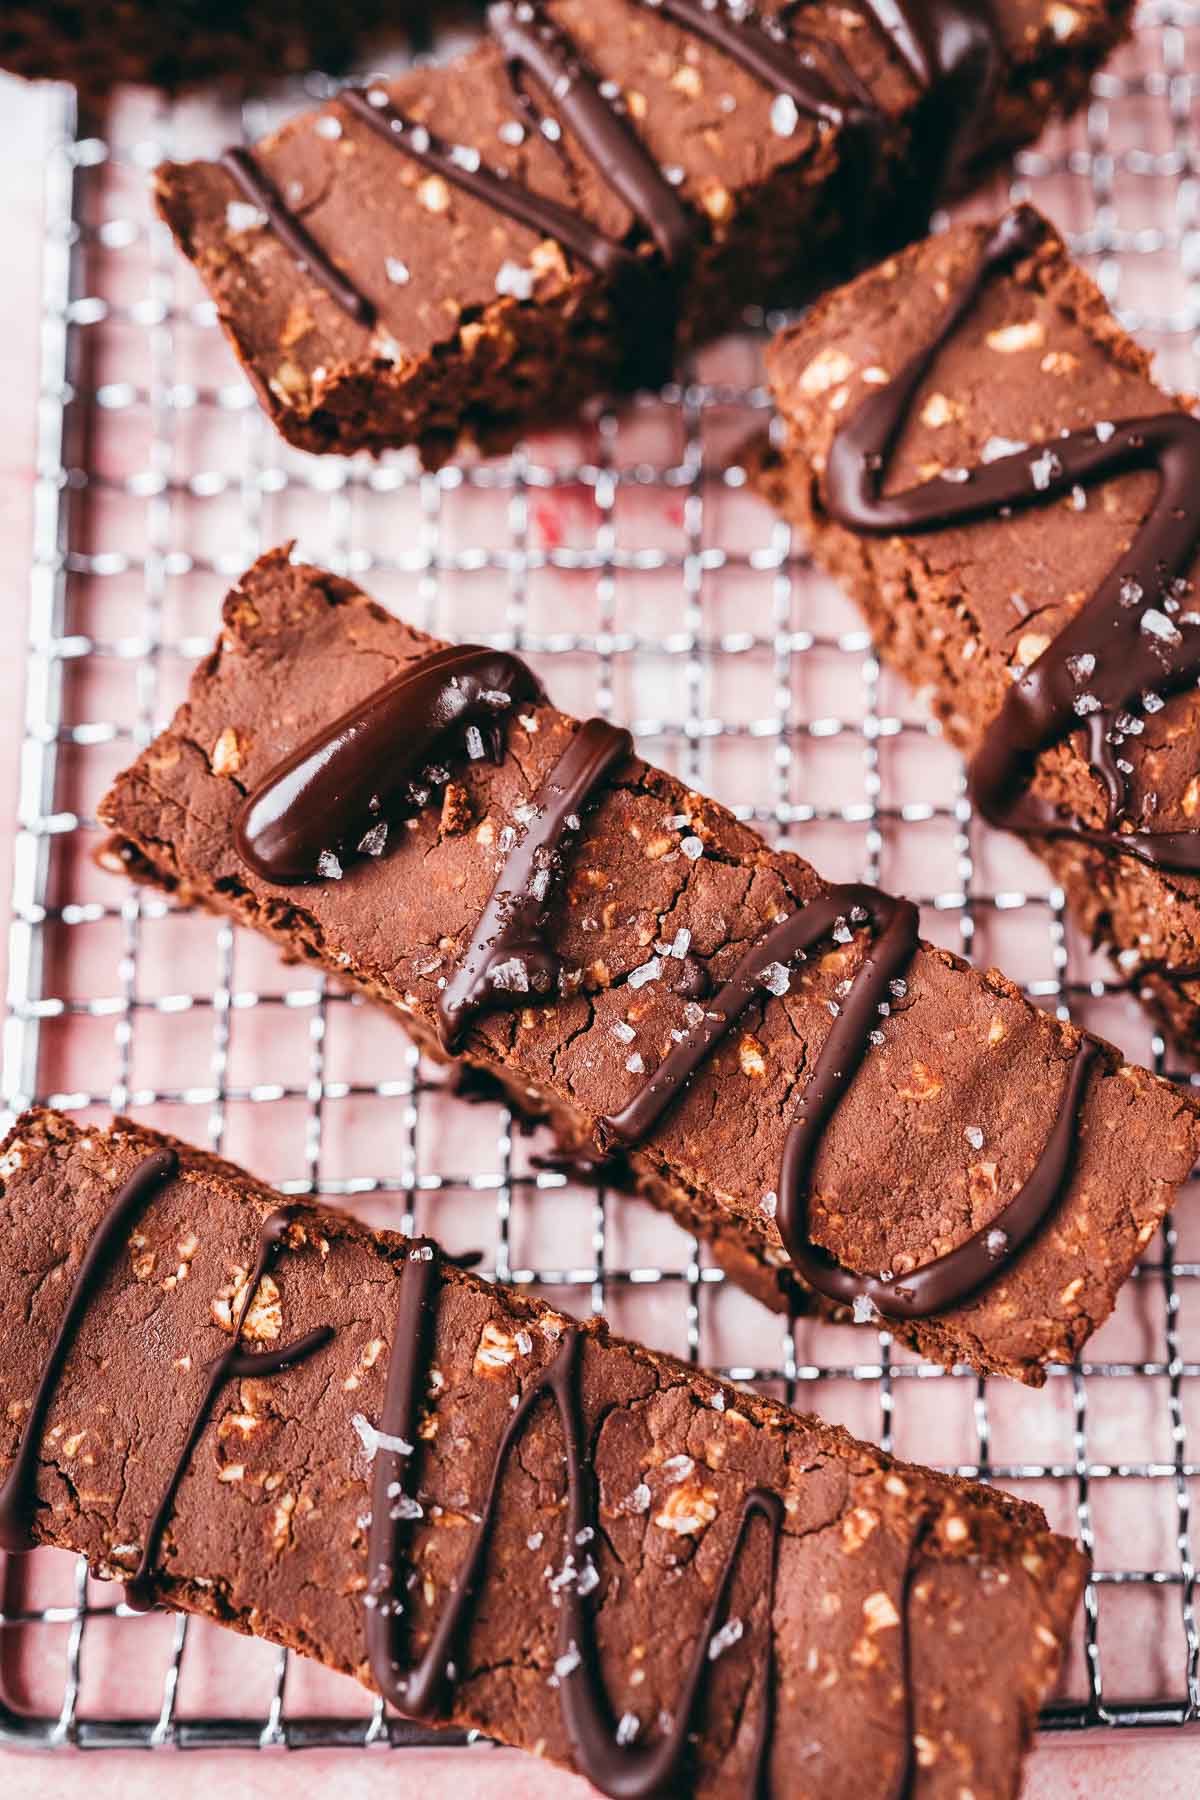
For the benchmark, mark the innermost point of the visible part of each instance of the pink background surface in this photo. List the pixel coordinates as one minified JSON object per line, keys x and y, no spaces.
{"x":1166,"y":1766}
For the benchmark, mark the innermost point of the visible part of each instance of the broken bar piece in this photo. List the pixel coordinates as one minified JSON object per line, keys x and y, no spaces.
{"x":839,"y":1109}
{"x":500,"y":1519}
{"x":465,"y":250}
{"x":1025,"y":547}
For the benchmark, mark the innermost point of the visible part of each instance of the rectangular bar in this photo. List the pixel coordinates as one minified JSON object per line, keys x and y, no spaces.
{"x":911,"y":1628}
{"x":963,"y":609}
{"x":942,"y":1128}
{"x":710,"y":183}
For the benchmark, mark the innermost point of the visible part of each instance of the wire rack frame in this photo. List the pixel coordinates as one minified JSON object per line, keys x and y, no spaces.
{"x":72,"y":399}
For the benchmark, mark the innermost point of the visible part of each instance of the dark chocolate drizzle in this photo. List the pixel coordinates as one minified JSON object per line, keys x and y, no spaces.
{"x":17,"y":1494}
{"x":624,"y":1771}
{"x":294,"y":235}
{"x":511,"y":926}
{"x":1129,"y":657}
{"x":950,"y":47}
{"x":946,"y":1280}
{"x":529,"y":39}
{"x":356,"y":776}
{"x":234,"y":1364}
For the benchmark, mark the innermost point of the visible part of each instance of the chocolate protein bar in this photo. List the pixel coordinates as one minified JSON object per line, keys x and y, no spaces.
{"x":95,"y":44}
{"x":842,"y":1111}
{"x":341,"y":1441}
{"x":464,"y":250}
{"x":976,"y":449}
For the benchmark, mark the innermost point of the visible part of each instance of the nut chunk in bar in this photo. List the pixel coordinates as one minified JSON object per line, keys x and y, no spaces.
{"x":498,"y":1518}
{"x":842,"y":1110}
{"x":1026,"y":546}
{"x":461,"y":251}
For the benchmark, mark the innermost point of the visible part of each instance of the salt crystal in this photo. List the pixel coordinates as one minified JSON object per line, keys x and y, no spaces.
{"x":842,"y":933}
{"x":328,"y":127}
{"x":1080,"y":667}
{"x":407,"y":1508}
{"x":863,"y":1310}
{"x":524,"y":1342}
{"x":623,"y":1032}
{"x":628,"y":1726}
{"x":634,"y":1064}
{"x":1104,"y":431}
{"x":1128,"y":725}
{"x":677,"y":822}
{"x":1159,"y":626}
{"x":956,"y":475}
{"x":692,"y":848}
{"x":1084,"y":704}
{"x":1152,"y":703}
{"x":834,"y":1008}
{"x":511,"y":132}
{"x":495,"y":697}
{"x":639,"y":1499}
{"x":776,"y":978}
{"x":1043,"y":469}
{"x":898,"y":988}
{"x":717,"y":1401}
{"x":859,"y":915}
{"x":680,"y":944}
{"x":466,"y":158}
{"x":511,"y":977}
{"x":785,"y":115}
{"x":1130,"y":591}
{"x":241,"y":216}
{"x":674,"y":173}
{"x":585,"y":1536}
{"x":589,"y":1578}
{"x":373,"y":1440}
{"x":525,"y":814}
{"x":1079,"y":498}
{"x":539,"y":883}
{"x":878,"y":1039}
{"x":678,"y":1468}
{"x":513,"y":280}
{"x":974,"y":1136}
{"x":329,"y":866}
{"x":996,"y":447}
{"x":649,"y":971}
{"x":725,"y":1639}
{"x":769,"y":1203}
{"x":567,"y":1663}
{"x":371,"y":843}
{"x":693,"y":1015}
{"x":534,"y":1541}
{"x":996,"y":1244}
{"x":572,"y":821}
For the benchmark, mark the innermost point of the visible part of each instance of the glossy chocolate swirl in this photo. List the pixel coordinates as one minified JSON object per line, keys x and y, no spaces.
{"x":1131,"y":644}
{"x":626,"y":1771}
{"x":946,"y":1280}
{"x":508,"y":958}
{"x":18,"y":1491}
{"x":341,"y":790}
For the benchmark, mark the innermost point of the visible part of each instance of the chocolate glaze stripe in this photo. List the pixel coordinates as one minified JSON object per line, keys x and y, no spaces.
{"x":948,"y":1279}
{"x":1130,"y":639}
{"x":494,"y":187}
{"x":344,"y":786}
{"x":623,"y":1771}
{"x":234,"y":1364}
{"x":294,"y":236}
{"x":528,"y":39}
{"x":17,"y":1494}
{"x":509,"y":932}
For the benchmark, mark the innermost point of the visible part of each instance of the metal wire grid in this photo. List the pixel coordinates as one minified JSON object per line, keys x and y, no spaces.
{"x":91,"y":384}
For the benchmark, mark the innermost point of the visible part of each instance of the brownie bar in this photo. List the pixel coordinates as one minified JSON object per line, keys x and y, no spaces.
{"x":473,"y":324}
{"x":175,"y":43}
{"x":943,"y":1123}
{"x":962,"y":610}
{"x":911,"y":1629}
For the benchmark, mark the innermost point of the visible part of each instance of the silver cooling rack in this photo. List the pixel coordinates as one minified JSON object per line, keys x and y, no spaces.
{"x":628,"y":562}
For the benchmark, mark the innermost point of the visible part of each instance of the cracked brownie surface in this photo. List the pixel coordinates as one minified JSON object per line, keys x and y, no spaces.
{"x":268,"y":1533}
{"x":940,"y":1128}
